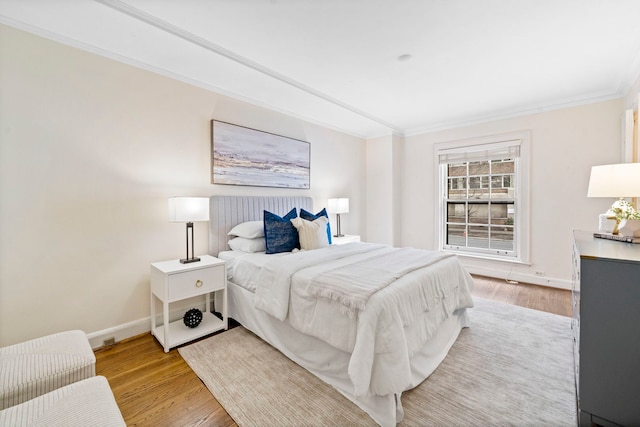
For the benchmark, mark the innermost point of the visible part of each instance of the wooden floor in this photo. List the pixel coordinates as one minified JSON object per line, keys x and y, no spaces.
{"x":551,"y":300}
{"x":154,"y":388}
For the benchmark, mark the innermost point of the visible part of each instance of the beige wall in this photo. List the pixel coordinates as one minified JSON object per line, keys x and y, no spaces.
{"x":564,"y":145}
{"x":380,"y":190}
{"x":90,"y":151}
{"x":384,"y":165}
{"x":632,"y":100}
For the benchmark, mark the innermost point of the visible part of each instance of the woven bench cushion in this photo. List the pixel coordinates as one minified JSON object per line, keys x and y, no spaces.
{"x":89,"y":402}
{"x":33,"y":368}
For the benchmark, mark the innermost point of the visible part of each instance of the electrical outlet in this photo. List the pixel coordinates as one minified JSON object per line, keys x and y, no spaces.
{"x":109,"y":341}
{"x":539,"y":273}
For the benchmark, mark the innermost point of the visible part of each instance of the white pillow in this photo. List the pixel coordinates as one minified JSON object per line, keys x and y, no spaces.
{"x":248,"y":245}
{"x":312,"y":234}
{"x":248,"y":230}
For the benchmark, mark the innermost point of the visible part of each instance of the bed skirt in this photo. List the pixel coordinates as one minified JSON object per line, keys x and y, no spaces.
{"x":330,"y":364}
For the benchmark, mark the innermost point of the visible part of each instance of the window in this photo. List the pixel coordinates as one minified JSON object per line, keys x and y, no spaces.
{"x":483,"y":192}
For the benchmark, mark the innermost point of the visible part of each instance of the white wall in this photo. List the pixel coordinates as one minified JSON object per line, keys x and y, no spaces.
{"x":564,"y":145}
{"x":90,"y":151}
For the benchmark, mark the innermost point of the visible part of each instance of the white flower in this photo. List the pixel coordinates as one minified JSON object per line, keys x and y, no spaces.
{"x":622,"y":209}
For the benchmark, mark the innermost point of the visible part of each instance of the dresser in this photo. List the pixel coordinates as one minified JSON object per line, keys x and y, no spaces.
{"x":606,"y":324}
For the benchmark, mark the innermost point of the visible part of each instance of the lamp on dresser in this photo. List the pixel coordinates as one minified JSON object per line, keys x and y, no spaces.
{"x":616,"y":181}
{"x":189,"y":210}
{"x":338,"y":206}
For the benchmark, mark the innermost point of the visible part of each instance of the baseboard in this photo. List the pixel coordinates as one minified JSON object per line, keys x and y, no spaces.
{"x":118,"y":333}
{"x":137,"y":327}
{"x":551,"y":282}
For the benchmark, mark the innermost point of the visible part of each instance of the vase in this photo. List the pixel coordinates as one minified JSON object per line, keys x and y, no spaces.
{"x":606,"y":224}
{"x":629,"y":227}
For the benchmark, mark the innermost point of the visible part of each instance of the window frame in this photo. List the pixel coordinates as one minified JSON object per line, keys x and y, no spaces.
{"x":521,"y":176}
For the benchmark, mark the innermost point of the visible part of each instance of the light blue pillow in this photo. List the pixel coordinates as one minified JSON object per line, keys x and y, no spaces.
{"x":280,"y":234}
{"x":311,"y":217}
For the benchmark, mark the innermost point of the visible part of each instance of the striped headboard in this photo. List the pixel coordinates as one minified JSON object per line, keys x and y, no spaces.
{"x":227,"y":211}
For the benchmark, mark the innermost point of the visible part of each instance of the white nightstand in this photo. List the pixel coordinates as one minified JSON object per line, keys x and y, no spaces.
{"x":172,"y":281}
{"x":347,"y":238}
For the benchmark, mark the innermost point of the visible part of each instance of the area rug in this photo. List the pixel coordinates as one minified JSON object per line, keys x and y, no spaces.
{"x":513,"y":366}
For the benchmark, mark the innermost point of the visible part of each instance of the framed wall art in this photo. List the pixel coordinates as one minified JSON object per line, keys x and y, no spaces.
{"x":245,"y":156}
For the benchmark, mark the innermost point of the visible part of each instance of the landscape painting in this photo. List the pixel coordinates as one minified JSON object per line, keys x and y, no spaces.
{"x":244,"y":156}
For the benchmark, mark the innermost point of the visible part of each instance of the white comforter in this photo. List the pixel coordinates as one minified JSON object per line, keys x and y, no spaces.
{"x":412,"y":295}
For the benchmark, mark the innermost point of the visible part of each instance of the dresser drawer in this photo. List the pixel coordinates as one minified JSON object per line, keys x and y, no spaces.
{"x":196,"y":282}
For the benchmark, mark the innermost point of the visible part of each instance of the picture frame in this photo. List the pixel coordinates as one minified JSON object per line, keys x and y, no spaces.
{"x":250,"y":157}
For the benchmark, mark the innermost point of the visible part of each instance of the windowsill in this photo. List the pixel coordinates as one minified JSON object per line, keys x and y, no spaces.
{"x":487,"y":257}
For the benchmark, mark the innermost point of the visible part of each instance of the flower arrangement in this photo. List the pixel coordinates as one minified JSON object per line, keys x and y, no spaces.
{"x":622,"y":209}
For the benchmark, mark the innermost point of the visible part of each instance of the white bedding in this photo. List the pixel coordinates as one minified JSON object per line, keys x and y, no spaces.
{"x":243,"y":268}
{"x":385,"y":332}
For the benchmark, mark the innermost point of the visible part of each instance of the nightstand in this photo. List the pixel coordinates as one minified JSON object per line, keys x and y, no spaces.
{"x":347,"y":238}
{"x":172,"y":281}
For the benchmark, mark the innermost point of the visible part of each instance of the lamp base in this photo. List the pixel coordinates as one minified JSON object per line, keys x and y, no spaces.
{"x":188,"y":260}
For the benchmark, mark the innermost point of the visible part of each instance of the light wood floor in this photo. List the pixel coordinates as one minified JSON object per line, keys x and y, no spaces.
{"x":154,"y":388}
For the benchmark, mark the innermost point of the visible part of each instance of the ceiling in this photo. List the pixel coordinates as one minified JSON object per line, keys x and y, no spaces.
{"x":365,"y":67}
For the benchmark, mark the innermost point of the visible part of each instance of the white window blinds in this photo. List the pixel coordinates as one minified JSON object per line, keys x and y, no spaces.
{"x":493,"y":151}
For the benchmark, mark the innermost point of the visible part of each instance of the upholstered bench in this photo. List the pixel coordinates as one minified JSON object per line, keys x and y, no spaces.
{"x":32,"y":368}
{"x":85,"y":403}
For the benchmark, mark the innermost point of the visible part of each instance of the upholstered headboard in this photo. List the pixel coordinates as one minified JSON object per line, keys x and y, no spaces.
{"x":227,"y":211}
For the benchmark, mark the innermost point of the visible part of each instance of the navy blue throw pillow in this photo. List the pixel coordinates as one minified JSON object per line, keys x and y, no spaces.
{"x":310,"y":217}
{"x":279,"y":233}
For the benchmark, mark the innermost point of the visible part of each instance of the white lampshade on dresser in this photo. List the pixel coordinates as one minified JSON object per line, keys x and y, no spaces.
{"x":617,"y":181}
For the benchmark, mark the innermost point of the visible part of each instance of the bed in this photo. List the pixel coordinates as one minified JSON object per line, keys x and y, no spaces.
{"x":370,"y":347}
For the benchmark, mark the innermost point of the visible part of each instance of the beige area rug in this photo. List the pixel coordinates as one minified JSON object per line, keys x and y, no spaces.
{"x":513,"y":366}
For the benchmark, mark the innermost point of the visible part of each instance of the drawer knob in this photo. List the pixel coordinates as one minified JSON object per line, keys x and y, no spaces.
{"x":198,"y":283}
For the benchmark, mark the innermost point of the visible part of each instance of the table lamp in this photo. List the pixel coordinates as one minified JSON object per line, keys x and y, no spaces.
{"x":618,"y":181}
{"x":189,"y":210}
{"x":338,"y":206}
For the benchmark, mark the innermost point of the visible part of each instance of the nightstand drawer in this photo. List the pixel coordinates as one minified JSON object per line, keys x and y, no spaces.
{"x":197,"y":282}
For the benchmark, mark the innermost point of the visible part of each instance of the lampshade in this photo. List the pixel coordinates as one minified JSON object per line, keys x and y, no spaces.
{"x":188,"y":209}
{"x":338,"y":206}
{"x":618,"y":180}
